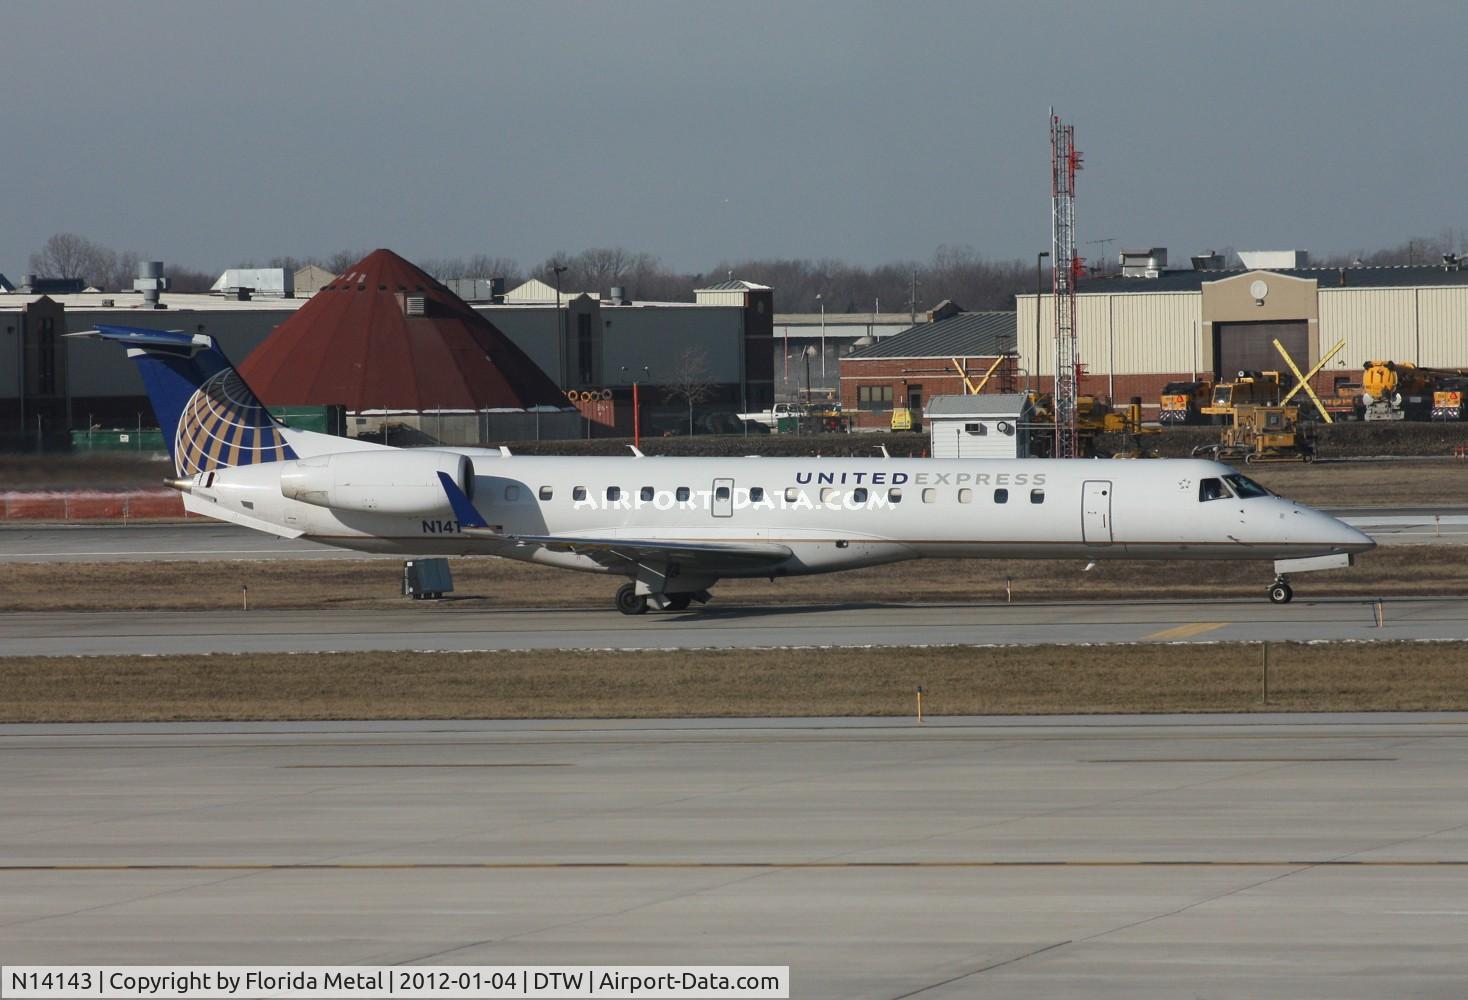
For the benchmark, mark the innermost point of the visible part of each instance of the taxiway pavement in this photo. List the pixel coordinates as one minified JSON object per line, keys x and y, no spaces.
{"x":1226,"y":856}
{"x":446,"y":628}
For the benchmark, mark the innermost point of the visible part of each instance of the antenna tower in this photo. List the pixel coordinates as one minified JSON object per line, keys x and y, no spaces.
{"x":1064,"y":162}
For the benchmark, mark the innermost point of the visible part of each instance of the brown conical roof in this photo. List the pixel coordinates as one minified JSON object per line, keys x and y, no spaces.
{"x":355,"y":344}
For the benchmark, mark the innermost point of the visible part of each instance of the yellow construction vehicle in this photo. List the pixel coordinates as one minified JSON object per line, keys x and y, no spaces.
{"x":1247,"y":388}
{"x":1263,"y":434}
{"x":1400,"y":390}
{"x":1183,"y":402}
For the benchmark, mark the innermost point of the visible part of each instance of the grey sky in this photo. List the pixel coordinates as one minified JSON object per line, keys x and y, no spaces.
{"x":207,"y":133}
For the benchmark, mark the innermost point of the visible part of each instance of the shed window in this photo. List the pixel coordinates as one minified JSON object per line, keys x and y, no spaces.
{"x":1037,"y":496}
{"x":1001,"y":496}
{"x":546,"y":493}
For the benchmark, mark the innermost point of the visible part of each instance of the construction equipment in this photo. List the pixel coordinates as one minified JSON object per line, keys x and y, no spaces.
{"x":1400,"y":390}
{"x":1095,"y":415}
{"x":1183,"y":402}
{"x":1303,"y":381}
{"x":1447,"y":399}
{"x":1246,"y":389}
{"x":1270,"y":433}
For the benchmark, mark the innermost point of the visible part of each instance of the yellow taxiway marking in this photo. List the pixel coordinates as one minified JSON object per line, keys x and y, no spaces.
{"x":1187,"y":631}
{"x":770,"y":865}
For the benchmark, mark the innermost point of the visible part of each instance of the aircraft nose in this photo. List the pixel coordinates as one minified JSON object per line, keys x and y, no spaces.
{"x":1345,"y":538}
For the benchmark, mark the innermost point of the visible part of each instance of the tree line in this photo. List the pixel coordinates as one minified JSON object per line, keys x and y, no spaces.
{"x":802,"y":285}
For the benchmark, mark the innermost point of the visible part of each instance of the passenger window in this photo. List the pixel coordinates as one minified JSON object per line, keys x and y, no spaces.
{"x":1001,"y":496}
{"x":791,"y":494}
{"x":1211,"y":489}
{"x":512,"y":493}
{"x":827,"y":494}
{"x":929,"y":495}
{"x":546,"y":493}
{"x":1037,"y":496}
{"x":894,"y":495}
{"x":614,"y":493}
{"x":859,"y":495}
{"x":965,"y":496}
{"x":756,"y":494}
{"x":682,"y":494}
{"x":579,"y":493}
{"x":722,"y":493}
{"x":647,"y":493}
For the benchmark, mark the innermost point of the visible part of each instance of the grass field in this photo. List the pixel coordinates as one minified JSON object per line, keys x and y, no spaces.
{"x":756,"y":683}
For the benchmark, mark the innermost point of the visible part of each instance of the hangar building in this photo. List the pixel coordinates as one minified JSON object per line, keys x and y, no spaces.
{"x":1137,"y":333}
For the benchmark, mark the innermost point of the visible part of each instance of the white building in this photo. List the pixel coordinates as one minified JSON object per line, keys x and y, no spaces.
{"x":989,"y":425}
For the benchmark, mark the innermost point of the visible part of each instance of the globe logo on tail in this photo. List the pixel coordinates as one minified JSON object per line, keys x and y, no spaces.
{"x":223,"y":425}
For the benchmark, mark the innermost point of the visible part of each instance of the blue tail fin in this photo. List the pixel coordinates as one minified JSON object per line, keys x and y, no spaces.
{"x":209,"y":417}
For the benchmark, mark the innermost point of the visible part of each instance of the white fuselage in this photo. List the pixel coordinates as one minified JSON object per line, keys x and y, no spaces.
{"x":977,"y":508}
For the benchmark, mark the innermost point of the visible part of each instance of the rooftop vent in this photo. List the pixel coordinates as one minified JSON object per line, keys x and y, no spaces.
{"x":1209,"y":261}
{"x":151,"y":282}
{"x":619,"y":296}
{"x":415,"y":305}
{"x":1148,"y":263}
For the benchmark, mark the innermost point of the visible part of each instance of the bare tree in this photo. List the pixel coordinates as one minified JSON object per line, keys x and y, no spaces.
{"x":67,"y":255}
{"x":691,"y":381}
{"x":338,"y":262}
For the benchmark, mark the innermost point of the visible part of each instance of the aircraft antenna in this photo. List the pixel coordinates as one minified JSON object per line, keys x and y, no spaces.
{"x":1067,"y":269}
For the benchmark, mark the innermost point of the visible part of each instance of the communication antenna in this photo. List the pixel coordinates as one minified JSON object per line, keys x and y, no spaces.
{"x":1064,"y":162}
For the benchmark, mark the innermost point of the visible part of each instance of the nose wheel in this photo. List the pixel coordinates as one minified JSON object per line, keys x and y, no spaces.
{"x":1280,"y":592}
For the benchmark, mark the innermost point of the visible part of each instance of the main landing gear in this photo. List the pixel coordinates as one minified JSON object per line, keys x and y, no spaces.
{"x":630,"y":602}
{"x":1279,"y":591}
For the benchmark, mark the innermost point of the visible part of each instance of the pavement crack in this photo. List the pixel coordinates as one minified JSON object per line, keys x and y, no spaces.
{"x":980,"y":971}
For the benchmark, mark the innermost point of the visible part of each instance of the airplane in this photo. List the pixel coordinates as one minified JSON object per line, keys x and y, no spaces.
{"x":674,"y":527}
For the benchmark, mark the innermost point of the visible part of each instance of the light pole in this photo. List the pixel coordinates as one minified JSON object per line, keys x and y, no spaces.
{"x":560,"y":269}
{"x":822,"y":301}
{"x":1039,"y":289}
{"x":636,"y":407}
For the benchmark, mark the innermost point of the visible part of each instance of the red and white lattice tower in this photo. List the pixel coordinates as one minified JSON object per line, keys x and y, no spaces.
{"x":1064,"y":162}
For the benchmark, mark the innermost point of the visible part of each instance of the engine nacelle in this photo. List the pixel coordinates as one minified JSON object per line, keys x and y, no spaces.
{"x":377,"y":482}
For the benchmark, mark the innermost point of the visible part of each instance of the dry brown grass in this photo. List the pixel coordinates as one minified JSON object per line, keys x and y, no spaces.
{"x":493,"y":583}
{"x":865,"y":682}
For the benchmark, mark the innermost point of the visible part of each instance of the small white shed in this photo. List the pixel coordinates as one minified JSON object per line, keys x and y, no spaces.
{"x":989,"y":425}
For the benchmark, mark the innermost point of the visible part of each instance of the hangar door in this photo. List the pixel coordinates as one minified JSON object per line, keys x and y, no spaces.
{"x":1249,"y":347}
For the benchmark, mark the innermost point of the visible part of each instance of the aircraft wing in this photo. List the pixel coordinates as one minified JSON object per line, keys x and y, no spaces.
{"x":699,"y":556}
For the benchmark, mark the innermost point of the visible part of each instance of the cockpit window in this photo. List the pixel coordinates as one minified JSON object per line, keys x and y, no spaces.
{"x":1211,"y":489}
{"x":1245,"y":487}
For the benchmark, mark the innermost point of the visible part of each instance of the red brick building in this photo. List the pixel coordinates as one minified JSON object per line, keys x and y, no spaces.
{"x":947,"y":356}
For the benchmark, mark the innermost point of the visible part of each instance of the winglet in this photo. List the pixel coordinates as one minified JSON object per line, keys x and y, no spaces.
{"x":464,"y":510}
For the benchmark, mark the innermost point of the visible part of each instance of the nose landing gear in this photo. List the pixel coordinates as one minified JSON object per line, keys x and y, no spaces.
{"x":1279,"y":591}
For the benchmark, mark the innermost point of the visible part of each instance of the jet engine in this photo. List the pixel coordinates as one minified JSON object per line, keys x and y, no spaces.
{"x":377,"y":482}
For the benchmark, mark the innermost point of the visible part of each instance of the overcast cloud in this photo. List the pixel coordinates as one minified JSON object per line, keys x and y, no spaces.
{"x":207,"y":134}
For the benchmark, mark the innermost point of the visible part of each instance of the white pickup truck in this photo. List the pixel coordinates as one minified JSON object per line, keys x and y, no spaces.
{"x":771,"y":417}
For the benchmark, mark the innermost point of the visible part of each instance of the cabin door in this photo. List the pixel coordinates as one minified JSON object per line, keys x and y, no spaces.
{"x":1096,"y":512}
{"x":722,"y":504}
